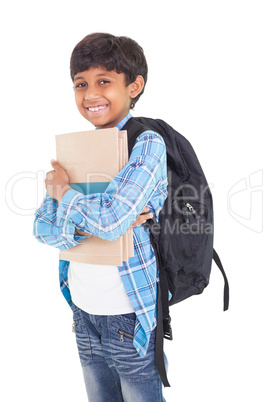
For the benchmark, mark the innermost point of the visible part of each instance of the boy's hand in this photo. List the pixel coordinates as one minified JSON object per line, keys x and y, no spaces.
{"x":57,"y":181}
{"x":142,"y":218}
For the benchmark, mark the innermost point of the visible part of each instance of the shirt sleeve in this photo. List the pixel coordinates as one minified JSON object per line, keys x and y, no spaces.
{"x":108,"y":215}
{"x":50,"y":229}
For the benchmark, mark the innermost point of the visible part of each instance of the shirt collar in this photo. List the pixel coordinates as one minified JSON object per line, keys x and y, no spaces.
{"x":123,"y":121}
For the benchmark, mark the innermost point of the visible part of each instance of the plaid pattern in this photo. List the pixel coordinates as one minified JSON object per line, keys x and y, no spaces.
{"x":143,"y":181}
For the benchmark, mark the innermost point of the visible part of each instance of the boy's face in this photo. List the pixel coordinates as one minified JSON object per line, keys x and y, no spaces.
{"x":102,"y":96}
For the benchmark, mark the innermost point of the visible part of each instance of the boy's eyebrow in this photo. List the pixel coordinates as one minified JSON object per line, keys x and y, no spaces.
{"x":103,"y":74}
{"x":78,"y":78}
{"x":98,"y":75}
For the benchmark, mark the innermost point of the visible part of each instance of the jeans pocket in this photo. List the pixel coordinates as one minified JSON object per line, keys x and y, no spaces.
{"x":82,"y":337}
{"x":127,"y":360}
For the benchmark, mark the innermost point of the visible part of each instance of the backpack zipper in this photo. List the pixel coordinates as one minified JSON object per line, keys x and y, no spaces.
{"x":188,"y":211}
{"x":122,"y":334}
{"x":190,"y":208}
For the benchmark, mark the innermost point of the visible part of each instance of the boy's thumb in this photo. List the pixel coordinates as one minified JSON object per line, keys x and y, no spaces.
{"x":55,"y":164}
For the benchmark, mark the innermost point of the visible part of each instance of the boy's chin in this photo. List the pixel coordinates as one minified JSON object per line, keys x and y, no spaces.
{"x":97,"y":120}
{"x":100,"y":123}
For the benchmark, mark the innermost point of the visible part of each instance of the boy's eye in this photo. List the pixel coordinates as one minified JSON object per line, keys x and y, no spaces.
{"x":80,"y":85}
{"x":102,"y":82}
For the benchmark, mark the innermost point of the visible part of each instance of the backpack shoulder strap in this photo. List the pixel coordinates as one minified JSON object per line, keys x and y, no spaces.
{"x":217,"y":260}
{"x":134,"y":129}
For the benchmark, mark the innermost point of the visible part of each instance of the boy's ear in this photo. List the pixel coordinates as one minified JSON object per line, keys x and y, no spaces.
{"x":137,"y":86}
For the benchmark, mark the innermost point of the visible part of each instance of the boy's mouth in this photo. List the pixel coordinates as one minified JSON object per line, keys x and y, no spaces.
{"x":96,"y":108}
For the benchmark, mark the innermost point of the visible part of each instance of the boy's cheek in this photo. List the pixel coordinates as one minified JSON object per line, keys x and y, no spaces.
{"x":79,"y":101}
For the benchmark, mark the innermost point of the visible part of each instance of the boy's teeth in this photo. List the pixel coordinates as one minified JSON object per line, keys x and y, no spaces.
{"x":96,"y":108}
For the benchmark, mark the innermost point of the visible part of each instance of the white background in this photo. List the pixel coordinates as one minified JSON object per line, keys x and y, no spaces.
{"x":208,"y":78}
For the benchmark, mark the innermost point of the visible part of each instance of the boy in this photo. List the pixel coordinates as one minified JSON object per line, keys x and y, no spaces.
{"x":114,"y":307}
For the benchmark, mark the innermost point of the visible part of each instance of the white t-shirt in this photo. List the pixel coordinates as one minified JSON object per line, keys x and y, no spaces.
{"x":98,"y":289}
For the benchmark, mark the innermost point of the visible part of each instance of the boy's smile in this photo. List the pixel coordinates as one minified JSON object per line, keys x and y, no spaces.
{"x":102,"y":96}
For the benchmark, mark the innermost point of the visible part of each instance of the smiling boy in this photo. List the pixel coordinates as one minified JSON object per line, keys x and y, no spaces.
{"x":102,"y":96}
{"x":114,"y":308}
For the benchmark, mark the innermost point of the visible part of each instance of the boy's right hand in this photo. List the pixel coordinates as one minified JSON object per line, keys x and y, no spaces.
{"x":57,"y":181}
{"x":143,"y":217}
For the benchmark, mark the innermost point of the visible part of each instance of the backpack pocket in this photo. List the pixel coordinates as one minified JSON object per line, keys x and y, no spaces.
{"x":185,"y":249}
{"x":185,"y":235}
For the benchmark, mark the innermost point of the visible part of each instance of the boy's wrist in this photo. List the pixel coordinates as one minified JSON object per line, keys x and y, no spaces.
{"x":80,"y":233}
{"x":63,"y":192}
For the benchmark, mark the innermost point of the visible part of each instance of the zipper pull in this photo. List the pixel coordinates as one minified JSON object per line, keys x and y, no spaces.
{"x":121,"y":335}
{"x":73,"y":326}
{"x":189,"y":213}
{"x":190,"y":208}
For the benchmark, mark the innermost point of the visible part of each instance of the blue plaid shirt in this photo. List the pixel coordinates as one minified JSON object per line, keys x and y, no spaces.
{"x":143,"y":181}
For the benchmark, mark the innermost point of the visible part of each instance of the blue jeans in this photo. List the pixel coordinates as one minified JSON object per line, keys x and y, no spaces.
{"x":113,"y":370}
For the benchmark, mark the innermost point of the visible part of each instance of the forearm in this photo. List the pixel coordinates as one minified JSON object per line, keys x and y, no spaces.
{"x":51,"y":230}
{"x":106,"y":215}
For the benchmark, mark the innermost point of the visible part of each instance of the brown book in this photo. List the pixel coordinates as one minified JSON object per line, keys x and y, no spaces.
{"x":92,"y":159}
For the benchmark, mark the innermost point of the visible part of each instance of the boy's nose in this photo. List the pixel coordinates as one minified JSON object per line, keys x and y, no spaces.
{"x":91,"y":93}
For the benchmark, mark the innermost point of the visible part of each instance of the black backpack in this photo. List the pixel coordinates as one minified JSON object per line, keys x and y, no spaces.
{"x":183,"y":237}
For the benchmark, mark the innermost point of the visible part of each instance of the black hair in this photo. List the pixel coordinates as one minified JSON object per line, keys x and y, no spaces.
{"x":114,"y":53}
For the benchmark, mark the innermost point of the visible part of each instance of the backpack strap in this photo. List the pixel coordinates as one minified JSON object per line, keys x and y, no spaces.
{"x":163,"y":325}
{"x":134,"y":129}
{"x":217,"y":260}
{"x":163,"y":328}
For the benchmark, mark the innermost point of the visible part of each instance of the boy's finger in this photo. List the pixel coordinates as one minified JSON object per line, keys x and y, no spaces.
{"x":55,"y":164}
{"x":50,"y":175}
{"x":149,"y":216}
{"x":145,"y":210}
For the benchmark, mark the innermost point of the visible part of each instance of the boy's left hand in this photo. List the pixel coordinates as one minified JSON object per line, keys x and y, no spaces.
{"x":57,"y":181}
{"x":142,"y":218}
